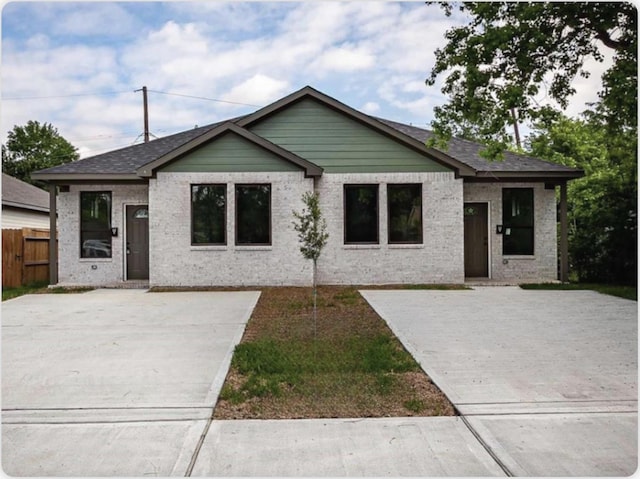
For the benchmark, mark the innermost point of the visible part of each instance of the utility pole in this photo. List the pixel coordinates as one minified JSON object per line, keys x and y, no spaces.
{"x":515,"y":128}
{"x":146,"y":113}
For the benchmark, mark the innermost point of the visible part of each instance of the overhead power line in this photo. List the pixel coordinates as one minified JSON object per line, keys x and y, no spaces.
{"x":64,"y":96}
{"x":204,"y":98}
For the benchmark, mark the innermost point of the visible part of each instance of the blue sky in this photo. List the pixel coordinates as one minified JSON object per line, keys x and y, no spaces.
{"x":76,"y":64}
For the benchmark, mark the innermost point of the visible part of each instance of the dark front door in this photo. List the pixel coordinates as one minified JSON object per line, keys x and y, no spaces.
{"x":476,"y":241}
{"x":137,"y":242}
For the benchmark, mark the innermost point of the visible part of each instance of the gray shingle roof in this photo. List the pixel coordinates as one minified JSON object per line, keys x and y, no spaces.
{"x":126,"y":161}
{"x":19,"y":194}
{"x":469,"y":152}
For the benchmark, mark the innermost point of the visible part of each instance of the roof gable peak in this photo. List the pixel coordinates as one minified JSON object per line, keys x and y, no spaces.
{"x":149,"y":169}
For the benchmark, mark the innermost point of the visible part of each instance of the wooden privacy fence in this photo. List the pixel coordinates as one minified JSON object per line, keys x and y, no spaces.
{"x":25,"y":256}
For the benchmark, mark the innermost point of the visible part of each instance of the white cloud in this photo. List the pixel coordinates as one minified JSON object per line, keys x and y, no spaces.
{"x":258,"y":90}
{"x":371,"y":107}
{"x":343,"y":59}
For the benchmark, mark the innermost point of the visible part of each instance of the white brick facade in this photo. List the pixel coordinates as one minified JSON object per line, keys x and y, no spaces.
{"x":175,"y":262}
{"x":543,"y":265}
{"x":93,"y":271}
{"x":439,"y":259}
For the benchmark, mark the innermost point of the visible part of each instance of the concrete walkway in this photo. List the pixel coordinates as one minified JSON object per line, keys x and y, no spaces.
{"x":546,"y":379}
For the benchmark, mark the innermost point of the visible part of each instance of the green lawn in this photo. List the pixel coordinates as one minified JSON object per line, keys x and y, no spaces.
{"x":627,"y":292}
{"x":10,"y":293}
{"x":38,"y":288}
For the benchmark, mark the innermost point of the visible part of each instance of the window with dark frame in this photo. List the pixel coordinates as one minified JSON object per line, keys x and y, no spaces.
{"x":253,"y":214}
{"x":404,"y":203}
{"x":517,"y":221}
{"x":95,"y":224}
{"x":361,"y":214}
{"x":209,"y":214}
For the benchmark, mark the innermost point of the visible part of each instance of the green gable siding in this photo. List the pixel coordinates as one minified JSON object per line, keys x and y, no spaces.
{"x":339,"y":144}
{"x":229,"y":153}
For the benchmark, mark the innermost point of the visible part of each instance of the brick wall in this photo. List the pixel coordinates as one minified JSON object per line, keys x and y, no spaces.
{"x":542,"y":266}
{"x":175,"y":262}
{"x":93,"y":271}
{"x":439,"y":259}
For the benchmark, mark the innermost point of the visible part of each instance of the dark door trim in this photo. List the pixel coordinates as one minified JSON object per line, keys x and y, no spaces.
{"x":477,"y":241}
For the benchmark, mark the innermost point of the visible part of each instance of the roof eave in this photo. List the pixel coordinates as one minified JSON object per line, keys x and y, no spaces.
{"x":560,"y":176}
{"x":86,"y":177}
{"x":23,"y":206}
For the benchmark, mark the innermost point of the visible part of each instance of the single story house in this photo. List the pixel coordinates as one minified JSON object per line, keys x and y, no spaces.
{"x":23,"y":205}
{"x":213,"y":205}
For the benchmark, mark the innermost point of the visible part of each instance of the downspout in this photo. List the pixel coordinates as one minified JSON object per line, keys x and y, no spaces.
{"x":53,"y":235}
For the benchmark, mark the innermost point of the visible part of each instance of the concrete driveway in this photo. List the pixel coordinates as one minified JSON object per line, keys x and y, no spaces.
{"x":113,"y":374}
{"x":547,"y":380}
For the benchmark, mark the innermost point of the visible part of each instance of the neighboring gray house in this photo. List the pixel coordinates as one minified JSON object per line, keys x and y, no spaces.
{"x":23,"y":205}
{"x":213,"y":205}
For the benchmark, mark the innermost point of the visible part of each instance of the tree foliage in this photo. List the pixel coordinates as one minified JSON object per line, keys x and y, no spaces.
{"x":511,"y":55}
{"x":312,"y":233}
{"x":603,"y":205}
{"x":311,"y":227}
{"x":33,"y":147}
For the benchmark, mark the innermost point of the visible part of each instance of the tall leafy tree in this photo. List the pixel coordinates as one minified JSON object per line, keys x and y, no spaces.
{"x":510,"y":54}
{"x":33,"y":147}
{"x":603,"y":236}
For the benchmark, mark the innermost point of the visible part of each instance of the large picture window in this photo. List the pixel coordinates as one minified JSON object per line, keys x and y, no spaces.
{"x":360,"y":214}
{"x":208,"y":214}
{"x":95,"y":224}
{"x":253,"y":214}
{"x":405,"y":213}
{"x":517,"y":220}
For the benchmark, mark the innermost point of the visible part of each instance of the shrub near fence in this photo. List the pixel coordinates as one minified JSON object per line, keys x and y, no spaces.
{"x":25,"y":256}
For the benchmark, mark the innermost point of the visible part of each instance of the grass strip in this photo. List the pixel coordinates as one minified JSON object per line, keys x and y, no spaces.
{"x":626,"y":292}
{"x":353,"y":367}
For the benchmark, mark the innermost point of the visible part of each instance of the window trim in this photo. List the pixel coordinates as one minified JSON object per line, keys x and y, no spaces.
{"x":236,"y":212}
{"x":224,"y":213}
{"x":532,"y":227}
{"x":421,"y":239}
{"x":344,"y":213}
{"x":97,"y":192}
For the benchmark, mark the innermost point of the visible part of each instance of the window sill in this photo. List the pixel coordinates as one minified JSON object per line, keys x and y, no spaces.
{"x":406,"y":246}
{"x":519,"y":257}
{"x":254,"y":248}
{"x":96,"y":260}
{"x":361,"y":246}
{"x":211,"y":247}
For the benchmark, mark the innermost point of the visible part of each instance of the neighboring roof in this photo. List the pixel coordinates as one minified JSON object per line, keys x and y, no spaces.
{"x":139,"y":161}
{"x":18,"y":194}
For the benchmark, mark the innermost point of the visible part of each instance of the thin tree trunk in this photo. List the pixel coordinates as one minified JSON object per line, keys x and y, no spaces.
{"x":315,"y":306}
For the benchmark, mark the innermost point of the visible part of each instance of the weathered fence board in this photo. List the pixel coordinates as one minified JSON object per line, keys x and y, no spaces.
{"x":25,"y":256}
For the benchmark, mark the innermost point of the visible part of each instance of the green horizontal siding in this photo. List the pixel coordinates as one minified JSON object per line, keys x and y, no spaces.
{"x":339,"y":144}
{"x":229,"y":153}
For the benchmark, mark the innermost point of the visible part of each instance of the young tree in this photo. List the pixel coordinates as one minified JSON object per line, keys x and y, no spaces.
{"x":511,"y":54}
{"x":312,"y":234}
{"x":33,"y":147}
